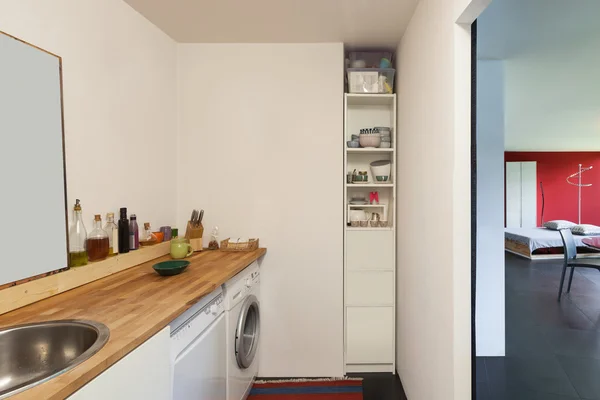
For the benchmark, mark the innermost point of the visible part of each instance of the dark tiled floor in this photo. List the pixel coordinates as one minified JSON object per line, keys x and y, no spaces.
{"x":382,"y":387}
{"x":552,"y":349}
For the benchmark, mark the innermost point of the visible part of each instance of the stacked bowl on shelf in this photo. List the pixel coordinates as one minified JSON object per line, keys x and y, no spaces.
{"x":381,"y":170}
{"x":386,"y":137}
{"x":378,"y":137}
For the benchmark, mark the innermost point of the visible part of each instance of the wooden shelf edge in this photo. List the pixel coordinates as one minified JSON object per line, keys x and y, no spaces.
{"x":368,"y":205}
{"x":370,"y":185}
{"x":27,"y":293}
{"x":349,"y":228}
{"x":371,"y":270}
{"x":369,"y":150}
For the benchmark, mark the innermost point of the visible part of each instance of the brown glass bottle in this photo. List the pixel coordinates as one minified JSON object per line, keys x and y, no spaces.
{"x":97,"y":243}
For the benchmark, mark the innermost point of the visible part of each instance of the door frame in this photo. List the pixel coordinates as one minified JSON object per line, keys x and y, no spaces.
{"x":473,"y":208}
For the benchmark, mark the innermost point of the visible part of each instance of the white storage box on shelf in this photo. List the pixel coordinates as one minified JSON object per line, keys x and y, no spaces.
{"x":371,"y":80}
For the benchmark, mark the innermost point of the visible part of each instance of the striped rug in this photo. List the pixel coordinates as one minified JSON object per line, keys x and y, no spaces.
{"x":308,"y":389}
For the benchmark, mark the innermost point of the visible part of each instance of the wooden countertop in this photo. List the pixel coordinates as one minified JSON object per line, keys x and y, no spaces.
{"x":135,"y":305}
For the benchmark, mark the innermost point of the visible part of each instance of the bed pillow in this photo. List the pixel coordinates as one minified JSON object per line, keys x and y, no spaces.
{"x":586,"y":229}
{"x":559,"y":224}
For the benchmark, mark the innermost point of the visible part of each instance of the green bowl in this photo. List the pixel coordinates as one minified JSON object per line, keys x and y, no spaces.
{"x":382,"y":178}
{"x":172,"y":267}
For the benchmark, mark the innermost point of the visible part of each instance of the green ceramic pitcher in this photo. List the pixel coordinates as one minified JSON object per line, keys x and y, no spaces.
{"x":180,"y":248}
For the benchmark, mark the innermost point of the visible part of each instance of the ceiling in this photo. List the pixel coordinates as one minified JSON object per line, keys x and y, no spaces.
{"x":354,"y":22}
{"x":516,"y":28}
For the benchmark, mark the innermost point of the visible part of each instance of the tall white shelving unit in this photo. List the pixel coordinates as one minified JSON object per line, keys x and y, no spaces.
{"x":370,"y":253}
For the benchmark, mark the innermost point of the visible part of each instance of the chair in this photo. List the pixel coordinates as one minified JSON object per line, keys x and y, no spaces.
{"x":571,"y":260}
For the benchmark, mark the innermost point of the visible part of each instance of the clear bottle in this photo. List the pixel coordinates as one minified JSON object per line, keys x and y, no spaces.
{"x":214,"y":239}
{"x":77,"y":239}
{"x":134,"y":233}
{"x":113,"y":234}
{"x":97,"y":242}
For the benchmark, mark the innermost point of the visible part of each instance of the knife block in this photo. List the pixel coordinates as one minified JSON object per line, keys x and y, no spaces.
{"x":194,"y":235}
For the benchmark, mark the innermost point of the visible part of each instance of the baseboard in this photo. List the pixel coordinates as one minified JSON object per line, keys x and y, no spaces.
{"x":360,"y":368}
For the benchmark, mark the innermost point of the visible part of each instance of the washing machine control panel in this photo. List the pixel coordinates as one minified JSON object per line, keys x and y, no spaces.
{"x":255,"y":277}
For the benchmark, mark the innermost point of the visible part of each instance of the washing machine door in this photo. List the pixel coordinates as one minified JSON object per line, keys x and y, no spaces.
{"x":247,"y":332}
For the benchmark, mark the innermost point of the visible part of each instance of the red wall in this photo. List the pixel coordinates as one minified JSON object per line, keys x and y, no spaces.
{"x":561,"y":198}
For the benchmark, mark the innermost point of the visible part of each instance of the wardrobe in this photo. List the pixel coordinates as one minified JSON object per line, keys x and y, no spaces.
{"x":521,"y":194}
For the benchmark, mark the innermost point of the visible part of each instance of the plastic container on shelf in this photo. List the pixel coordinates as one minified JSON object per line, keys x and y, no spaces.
{"x":372,"y":59}
{"x":371,"y":80}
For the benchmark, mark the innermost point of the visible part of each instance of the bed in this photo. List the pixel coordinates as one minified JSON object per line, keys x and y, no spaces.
{"x":541,"y":243}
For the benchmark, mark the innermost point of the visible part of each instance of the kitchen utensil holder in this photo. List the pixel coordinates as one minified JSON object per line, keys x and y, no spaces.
{"x":250,"y":245}
{"x":194,"y":235}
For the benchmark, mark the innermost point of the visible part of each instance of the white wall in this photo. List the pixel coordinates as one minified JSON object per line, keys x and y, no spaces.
{"x":490,"y":209}
{"x":260,"y":149}
{"x":119,"y":91}
{"x":551,"y":67}
{"x":433,"y":280}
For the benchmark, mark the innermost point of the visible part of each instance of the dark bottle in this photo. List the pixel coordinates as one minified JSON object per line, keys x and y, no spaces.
{"x":123,"y":232}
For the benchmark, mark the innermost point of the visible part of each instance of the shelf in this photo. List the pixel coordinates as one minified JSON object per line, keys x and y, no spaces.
{"x":369,"y":185}
{"x":374,"y":99}
{"x":368,"y":205}
{"x":371,"y":270}
{"x":349,"y":228}
{"x":369,"y":150}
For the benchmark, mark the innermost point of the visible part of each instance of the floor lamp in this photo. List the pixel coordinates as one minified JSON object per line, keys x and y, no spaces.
{"x":579,"y":185}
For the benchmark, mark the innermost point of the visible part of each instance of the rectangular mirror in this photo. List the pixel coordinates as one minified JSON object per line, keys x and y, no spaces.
{"x":33,"y":236}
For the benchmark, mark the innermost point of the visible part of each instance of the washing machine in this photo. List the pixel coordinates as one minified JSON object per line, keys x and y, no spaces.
{"x":242,"y":315}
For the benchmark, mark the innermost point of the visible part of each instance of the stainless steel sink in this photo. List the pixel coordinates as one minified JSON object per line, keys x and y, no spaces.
{"x":34,"y":353}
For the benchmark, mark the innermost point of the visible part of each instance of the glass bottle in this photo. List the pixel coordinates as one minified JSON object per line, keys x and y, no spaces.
{"x":113,"y":234}
{"x":123,"y":232}
{"x":97,"y":242}
{"x":148,"y":238}
{"x":134,"y":233}
{"x":214,"y":239}
{"x":77,"y":239}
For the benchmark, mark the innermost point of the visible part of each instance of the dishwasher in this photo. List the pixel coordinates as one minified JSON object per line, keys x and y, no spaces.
{"x":198,"y":351}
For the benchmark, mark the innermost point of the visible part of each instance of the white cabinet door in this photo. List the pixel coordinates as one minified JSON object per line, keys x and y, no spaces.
{"x":370,"y":288}
{"x":513,"y":194}
{"x":368,"y":250}
{"x":529,"y":187}
{"x":145,"y":373}
{"x":521,"y":194}
{"x":203,"y":380}
{"x":370,"y":335}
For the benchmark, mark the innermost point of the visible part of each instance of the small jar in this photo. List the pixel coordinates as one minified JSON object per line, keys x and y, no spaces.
{"x":148,"y":238}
